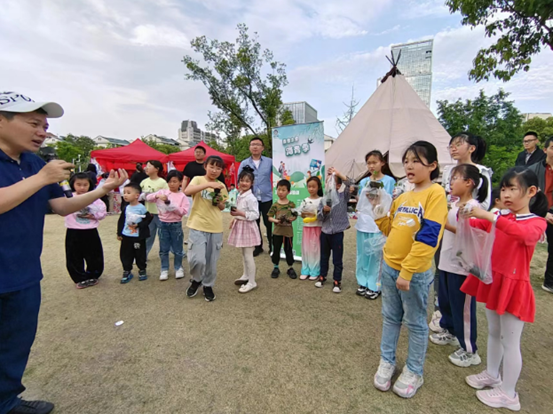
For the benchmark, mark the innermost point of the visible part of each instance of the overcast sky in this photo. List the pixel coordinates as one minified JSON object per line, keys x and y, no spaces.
{"x":115,"y":65}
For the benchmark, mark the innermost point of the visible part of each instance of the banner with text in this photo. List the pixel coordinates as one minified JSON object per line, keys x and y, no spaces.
{"x":298,"y":153}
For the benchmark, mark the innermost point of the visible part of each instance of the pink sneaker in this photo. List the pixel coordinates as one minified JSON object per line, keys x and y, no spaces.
{"x":496,"y":398}
{"x":483,"y":380}
{"x":303,"y":277}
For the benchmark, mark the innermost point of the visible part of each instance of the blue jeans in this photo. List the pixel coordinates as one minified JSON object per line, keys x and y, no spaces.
{"x":18,"y":323}
{"x":153,"y":226}
{"x":171,"y":238}
{"x":408,"y":306}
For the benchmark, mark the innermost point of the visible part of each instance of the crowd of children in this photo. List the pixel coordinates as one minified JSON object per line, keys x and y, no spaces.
{"x":420,"y":226}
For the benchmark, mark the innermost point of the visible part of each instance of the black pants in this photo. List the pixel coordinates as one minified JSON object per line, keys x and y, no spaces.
{"x":263,"y":211}
{"x":549,"y":266}
{"x":83,"y":246}
{"x":105,"y":199}
{"x":278,"y":241}
{"x":334,"y":243}
{"x":131,"y":250}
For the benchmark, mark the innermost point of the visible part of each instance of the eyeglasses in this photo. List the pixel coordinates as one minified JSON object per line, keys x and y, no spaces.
{"x":256,"y":145}
{"x":528,"y":141}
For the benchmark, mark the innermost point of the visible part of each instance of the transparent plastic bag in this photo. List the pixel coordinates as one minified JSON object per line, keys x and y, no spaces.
{"x":473,"y":250}
{"x":375,"y":246}
{"x":379,"y":196}
{"x":331,"y":197}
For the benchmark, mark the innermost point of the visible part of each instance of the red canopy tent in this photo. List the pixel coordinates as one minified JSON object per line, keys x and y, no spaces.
{"x":180,"y":159}
{"x":127,"y":157}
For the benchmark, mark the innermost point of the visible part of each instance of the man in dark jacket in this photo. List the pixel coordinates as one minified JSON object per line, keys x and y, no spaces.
{"x":544,"y":171}
{"x":532,"y":153}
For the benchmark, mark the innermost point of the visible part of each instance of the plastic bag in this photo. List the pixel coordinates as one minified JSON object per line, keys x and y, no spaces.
{"x":331,"y":197}
{"x":133,"y":219}
{"x":375,"y":246}
{"x":473,"y":250}
{"x":380,"y":196}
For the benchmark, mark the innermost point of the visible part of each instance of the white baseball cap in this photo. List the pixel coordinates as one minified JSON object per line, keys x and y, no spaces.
{"x":15,"y":102}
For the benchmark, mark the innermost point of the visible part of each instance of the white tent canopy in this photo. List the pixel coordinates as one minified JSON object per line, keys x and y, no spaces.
{"x":393,"y":118}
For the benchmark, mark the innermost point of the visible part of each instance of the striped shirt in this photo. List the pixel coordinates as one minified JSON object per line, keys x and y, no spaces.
{"x":337,"y":220}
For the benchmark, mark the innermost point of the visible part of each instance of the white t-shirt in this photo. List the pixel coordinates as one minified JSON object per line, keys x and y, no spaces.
{"x":256,"y":162}
{"x":310,"y":205}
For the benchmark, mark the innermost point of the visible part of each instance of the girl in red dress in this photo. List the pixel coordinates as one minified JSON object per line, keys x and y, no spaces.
{"x":509,"y":298}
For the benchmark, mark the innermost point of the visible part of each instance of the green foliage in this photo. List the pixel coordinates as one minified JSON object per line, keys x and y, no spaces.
{"x":72,"y":146}
{"x":165,"y":148}
{"x":544,"y":127}
{"x":244,"y":83}
{"x":495,"y":119}
{"x":522,"y":26}
{"x":287,"y":118}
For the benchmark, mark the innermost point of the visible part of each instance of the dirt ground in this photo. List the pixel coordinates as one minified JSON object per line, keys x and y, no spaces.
{"x":286,"y":347}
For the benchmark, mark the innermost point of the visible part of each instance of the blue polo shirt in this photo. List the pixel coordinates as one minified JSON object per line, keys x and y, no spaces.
{"x":21,"y":228}
{"x":262,"y":188}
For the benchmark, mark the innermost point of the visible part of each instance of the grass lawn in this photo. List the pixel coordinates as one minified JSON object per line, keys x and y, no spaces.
{"x":286,"y":347}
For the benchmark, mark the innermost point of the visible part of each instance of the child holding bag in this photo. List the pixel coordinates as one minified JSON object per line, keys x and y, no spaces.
{"x":311,"y":237}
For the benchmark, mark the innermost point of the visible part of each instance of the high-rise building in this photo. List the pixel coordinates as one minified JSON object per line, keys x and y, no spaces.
{"x":415,"y":64}
{"x":302,"y":112}
{"x":190,"y":135}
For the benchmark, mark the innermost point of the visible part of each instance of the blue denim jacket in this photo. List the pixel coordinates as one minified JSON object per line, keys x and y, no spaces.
{"x":262,"y":188}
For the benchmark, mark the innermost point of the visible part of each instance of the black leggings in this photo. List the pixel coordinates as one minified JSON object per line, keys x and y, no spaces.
{"x":278,"y":241}
{"x":83,"y":246}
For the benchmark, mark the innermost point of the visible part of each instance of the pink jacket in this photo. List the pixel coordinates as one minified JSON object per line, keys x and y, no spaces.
{"x":175,"y":210}
{"x":97,"y":209}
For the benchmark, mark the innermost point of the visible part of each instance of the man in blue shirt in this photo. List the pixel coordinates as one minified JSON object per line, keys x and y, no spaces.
{"x":262,"y":186}
{"x":28,"y":189}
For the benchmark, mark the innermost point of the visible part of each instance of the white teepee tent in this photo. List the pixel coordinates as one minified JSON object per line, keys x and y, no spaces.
{"x":393,"y":118}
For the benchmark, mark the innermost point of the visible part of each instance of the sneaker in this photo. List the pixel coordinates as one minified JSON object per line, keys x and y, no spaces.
{"x":372,"y":295}
{"x":434,"y":324}
{"x":320,"y":282}
{"x":497,"y":398}
{"x":179,"y":274}
{"x":193,"y":288}
{"x":164,"y":275}
{"x":127,"y":276}
{"x":313,"y":278}
{"x":408,"y":383}
{"x":257,"y":251}
{"x":142,"y":275}
{"x":32,"y":407}
{"x":337,"y":287}
{"x":483,"y":380}
{"x":444,"y":338}
{"x":361,"y":291}
{"x":242,"y":281}
{"x":292,"y":273}
{"x":209,"y":294}
{"x":464,"y":359}
{"x":91,"y":282}
{"x":247,"y":287}
{"x":547,"y":289}
{"x":383,"y":377}
{"x":303,"y":277}
{"x":275,"y":273}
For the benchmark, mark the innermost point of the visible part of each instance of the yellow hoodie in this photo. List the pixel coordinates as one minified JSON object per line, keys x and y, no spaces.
{"x":414,"y":228}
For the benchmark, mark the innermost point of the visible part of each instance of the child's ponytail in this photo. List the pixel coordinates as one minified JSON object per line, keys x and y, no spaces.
{"x":539,"y":204}
{"x":482,"y":189}
{"x":470,"y":172}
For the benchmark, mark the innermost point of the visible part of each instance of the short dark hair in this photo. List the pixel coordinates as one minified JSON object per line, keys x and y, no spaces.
{"x":215,"y":160}
{"x":199,"y":147}
{"x":424,"y":149}
{"x":92,"y":168}
{"x":174,"y":173}
{"x":533,"y":133}
{"x":548,"y":142}
{"x":9,"y":115}
{"x":134,"y":186}
{"x":375,"y":153}
{"x":256,"y":138}
{"x":157,"y":165}
{"x":284,"y":183}
{"x":232,"y":185}
{"x":82,"y":176}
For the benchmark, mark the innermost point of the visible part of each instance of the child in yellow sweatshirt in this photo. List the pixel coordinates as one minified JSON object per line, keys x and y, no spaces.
{"x":414,"y":228}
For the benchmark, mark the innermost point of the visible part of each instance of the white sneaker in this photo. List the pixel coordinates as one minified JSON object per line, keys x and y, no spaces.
{"x":407,"y":384}
{"x":179,"y":274}
{"x":434,"y":324}
{"x":383,"y":377}
{"x":547,"y":288}
{"x":313,"y":277}
{"x":303,"y":277}
{"x":464,"y":359}
{"x":164,"y":275}
{"x":483,"y":380}
{"x":497,"y":398}
{"x":444,"y":338}
{"x":247,"y":287}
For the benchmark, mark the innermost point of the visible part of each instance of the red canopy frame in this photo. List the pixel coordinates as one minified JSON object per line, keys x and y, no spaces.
{"x":128,"y":156}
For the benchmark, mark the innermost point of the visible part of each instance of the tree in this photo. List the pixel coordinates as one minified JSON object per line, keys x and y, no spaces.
{"x":523,"y":27}
{"x":287,"y":118}
{"x":244,"y":83}
{"x":543,"y":127}
{"x":342,"y":123}
{"x":495,"y":119}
